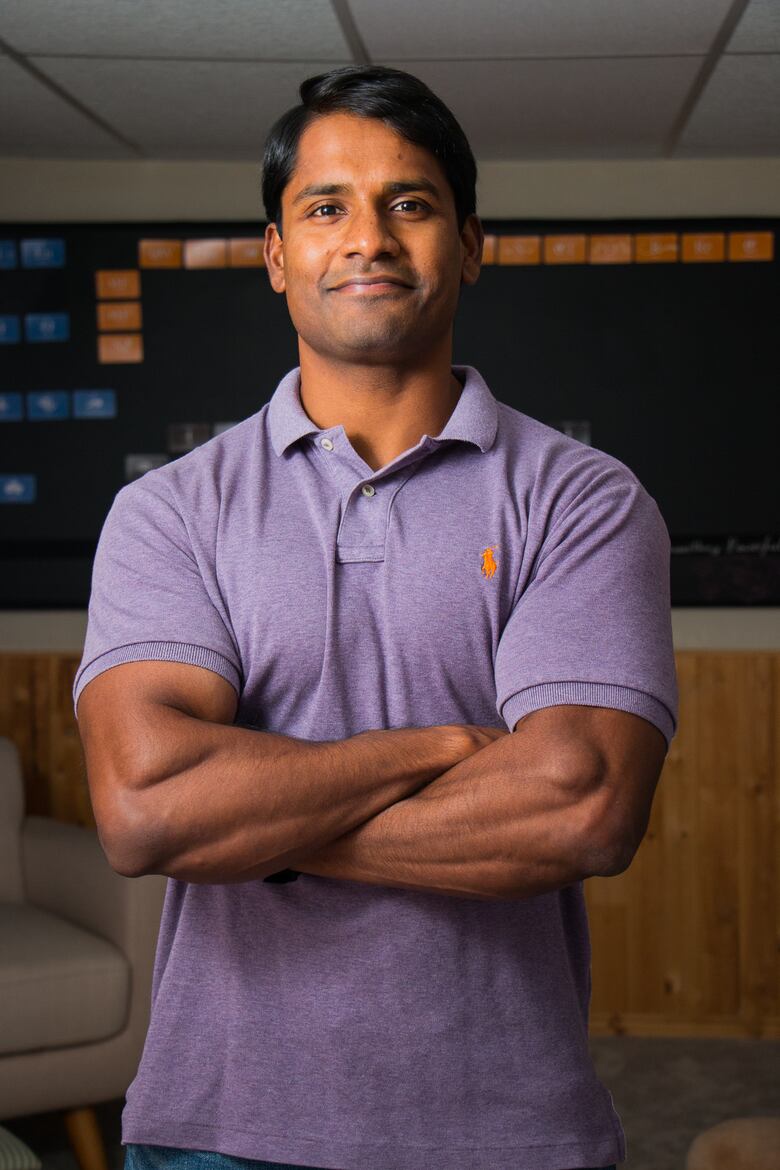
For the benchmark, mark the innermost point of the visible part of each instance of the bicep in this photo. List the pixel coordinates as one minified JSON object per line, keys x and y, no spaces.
{"x":126,"y":718}
{"x":592,"y":623}
{"x":612,"y":758}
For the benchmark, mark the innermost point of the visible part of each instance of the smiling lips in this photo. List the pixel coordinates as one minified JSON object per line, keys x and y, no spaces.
{"x":368,"y":285}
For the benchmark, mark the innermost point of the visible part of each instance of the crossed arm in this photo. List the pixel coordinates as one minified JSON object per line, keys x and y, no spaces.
{"x":566,"y":797}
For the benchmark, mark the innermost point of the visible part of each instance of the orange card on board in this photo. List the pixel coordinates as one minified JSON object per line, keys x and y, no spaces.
{"x":656,"y":247}
{"x":751,"y":245}
{"x":489,"y":250}
{"x":117,"y":283}
{"x":205,"y":254}
{"x":613,"y":249}
{"x":703,"y":246}
{"x":120,"y":347}
{"x":159,"y":253}
{"x":519,"y":249}
{"x":246,"y":253}
{"x":119,"y":315}
{"x":564,"y":249}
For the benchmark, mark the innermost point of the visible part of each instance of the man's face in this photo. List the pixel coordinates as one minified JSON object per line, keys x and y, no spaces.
{"x":362,"y":202}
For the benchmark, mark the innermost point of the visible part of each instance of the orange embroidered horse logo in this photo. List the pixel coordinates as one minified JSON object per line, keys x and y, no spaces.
{"x":489,"y":565}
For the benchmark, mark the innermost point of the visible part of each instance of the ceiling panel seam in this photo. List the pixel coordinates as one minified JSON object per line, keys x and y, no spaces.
{"x":68,"y":98}
{"x":346,"y":20}
{"x":411,"y":60}
{"x":209,"y":60}
{"x":565,"y":57}
{"x":707,"y":68}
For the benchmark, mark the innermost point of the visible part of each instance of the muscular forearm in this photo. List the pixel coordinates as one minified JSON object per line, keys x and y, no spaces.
{"x":237,"y":802}
{"x":484,"y":829}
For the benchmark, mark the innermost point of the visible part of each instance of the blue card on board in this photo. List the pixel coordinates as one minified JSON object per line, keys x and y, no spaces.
{"x":17,"y":489}
{"x":10,"y":406}
{"x":47,"y":326}
{"x":48,"y":404}
{"x":43,"y":253}
{"x":94,"y":404}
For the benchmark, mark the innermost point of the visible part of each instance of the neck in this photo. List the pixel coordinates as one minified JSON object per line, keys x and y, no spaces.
{"x":384,"y":409}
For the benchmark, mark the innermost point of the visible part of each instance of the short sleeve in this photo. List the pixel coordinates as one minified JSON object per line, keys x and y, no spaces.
{"x":151,"y":596}
{"x":593,"y":624}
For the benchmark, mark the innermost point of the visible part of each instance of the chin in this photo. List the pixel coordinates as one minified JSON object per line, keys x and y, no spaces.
{"x":395,"y":348}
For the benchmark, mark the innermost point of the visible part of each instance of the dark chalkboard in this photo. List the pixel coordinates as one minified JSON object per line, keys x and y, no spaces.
{"x":671,"y":367}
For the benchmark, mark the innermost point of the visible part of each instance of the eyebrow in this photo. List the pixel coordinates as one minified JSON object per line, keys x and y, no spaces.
{"x":396,"y":187}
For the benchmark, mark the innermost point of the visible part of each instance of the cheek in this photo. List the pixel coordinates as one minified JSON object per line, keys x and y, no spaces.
{"x":444,"y":277}
{"x":441,"y":261}
{"x":308,"y":272}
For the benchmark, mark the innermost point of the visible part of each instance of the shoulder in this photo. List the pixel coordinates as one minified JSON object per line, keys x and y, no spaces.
{"x":554,"y":471}
{"x":182,"y":506}
{"x":198,"y":482}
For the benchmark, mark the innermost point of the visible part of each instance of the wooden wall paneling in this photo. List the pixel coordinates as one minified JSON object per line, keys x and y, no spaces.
{"x":651,"y":970}
{"x":606,"y":901}
{"x":686,"y":941}
{"x":756,"y":718}
{"x":774,"y":925}
{"x":59,"y":751}
{"x":678,"y":906}
{"x":718,"y":826}
{"x":646,"y":952}
{"x":17,"y":722}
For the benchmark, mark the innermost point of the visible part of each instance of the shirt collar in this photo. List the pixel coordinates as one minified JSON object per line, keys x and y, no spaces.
{"x":474,"y":419}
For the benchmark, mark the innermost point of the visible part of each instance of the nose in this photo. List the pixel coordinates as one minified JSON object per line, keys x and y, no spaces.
{"x":369,"y":234}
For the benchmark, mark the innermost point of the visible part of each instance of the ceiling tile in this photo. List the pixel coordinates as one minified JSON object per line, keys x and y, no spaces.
{"x":295,"y":29}
{"x":737,"y":114}
{"x":613,"y":108}
{"x":36,"y":123}
{"x":759,"y":29}
{"x":407,"y":29}
{"x":185,"y":109}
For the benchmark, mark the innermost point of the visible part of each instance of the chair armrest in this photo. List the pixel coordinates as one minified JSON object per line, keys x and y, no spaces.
{"x":66,"y":872}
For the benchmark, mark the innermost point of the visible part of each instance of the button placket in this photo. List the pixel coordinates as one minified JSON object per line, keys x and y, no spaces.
{"x":362,"y":533}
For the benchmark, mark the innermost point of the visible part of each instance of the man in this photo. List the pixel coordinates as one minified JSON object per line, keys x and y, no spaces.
{"x":390,"y":571}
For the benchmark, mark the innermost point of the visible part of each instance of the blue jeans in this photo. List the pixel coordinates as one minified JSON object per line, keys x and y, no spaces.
{"x":141,"y":1157}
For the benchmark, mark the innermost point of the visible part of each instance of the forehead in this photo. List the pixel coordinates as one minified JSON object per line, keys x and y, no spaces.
{"x":341,"y":147}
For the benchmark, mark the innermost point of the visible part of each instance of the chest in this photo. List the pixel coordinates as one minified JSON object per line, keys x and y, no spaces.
{"x":400,"y":592}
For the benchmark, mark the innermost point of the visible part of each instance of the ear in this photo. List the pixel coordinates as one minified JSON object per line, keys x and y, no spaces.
{"x":472,"y":238}
{"x":273,"y":252}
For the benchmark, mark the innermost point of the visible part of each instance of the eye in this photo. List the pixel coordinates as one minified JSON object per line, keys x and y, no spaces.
{"x":324,"y":207}
{"x":416,"y":203}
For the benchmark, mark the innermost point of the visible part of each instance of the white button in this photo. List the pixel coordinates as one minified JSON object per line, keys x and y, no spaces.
{"x":367,"y":489}
{"x":327,"y":444}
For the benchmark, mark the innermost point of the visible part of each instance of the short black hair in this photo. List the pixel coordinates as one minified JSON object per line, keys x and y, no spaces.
{"x":400,"y":100}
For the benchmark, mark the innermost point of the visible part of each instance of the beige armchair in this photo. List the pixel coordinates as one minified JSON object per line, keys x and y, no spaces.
{"x":77,"y":943}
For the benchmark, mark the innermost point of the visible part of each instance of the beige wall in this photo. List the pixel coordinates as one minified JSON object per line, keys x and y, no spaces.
{"x":40,"y":189}
{"x":693,"y":629}
{"x":71,"y":191}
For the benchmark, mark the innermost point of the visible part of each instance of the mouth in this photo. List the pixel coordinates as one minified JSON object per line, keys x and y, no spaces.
{"x":371,"y":287}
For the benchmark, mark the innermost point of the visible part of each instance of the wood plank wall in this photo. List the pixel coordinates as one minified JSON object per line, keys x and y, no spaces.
{"x":686,"y":942}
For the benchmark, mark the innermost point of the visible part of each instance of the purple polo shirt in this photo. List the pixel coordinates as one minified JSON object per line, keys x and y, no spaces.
{"x":495,"y":569}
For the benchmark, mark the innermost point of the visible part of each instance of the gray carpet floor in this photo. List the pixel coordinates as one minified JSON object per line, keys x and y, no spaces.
{"x":666,"y":1091}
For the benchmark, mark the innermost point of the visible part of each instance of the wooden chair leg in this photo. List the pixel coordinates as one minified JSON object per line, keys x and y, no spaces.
{"x":86,"y":1139}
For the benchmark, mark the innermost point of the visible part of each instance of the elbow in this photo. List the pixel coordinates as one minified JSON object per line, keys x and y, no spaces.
{"x":127,"y":867}
{"x":120,"y":851}
{"x":613,"y":860}
{"x":607,"y":830}
{"x":605,"y":847}
{"x":125,"y":836}
{"x":124,"y":852}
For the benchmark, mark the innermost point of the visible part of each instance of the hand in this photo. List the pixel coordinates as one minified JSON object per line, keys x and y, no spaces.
{"x":472,"y":737}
